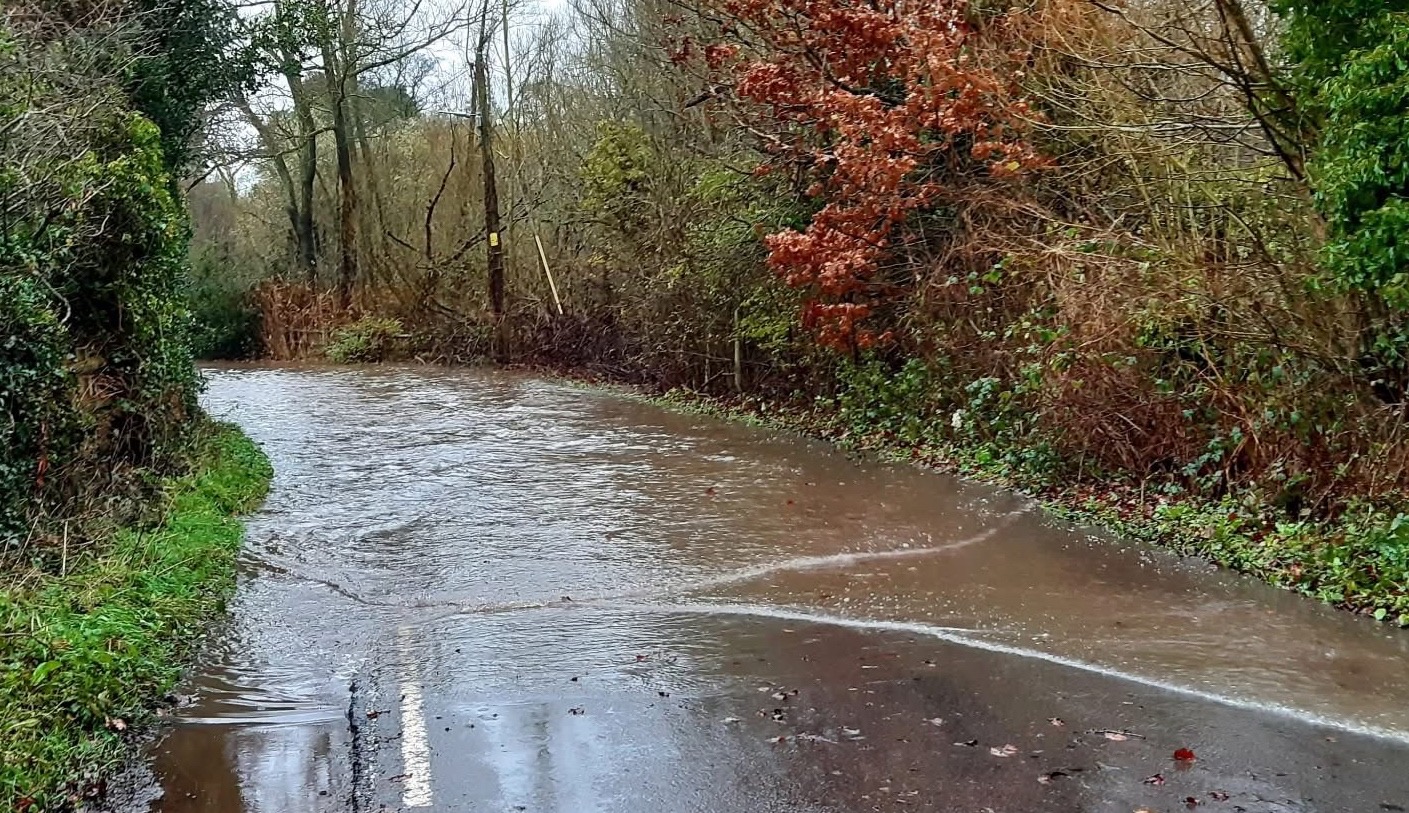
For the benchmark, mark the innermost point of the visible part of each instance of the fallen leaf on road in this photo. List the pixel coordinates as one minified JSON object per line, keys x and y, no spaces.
{"x":577,"y":711}
{"x":728,"y":720}
{"x":1157,"y":779}
{"x":779,"y":739}
{"x":1051,"y":776}
{"x":1005,"y":751}
{"x":1117,"y":736}
{"x":967,"y":743}
{"x":1190,"y":802}
{"x":1219,"y":796}
{"x":1184,"y":755}
{"x":935,"y":721}
{"x":1056,"y":721}
{"x":851,"y":732}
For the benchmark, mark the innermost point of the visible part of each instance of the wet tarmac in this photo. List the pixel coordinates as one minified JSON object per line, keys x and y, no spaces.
{"x":479,"y":591}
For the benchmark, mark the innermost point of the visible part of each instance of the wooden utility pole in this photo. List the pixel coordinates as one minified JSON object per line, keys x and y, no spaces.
{"x":495,"y":247}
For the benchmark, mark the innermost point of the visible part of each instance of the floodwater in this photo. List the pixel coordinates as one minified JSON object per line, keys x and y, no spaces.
{"x":481,"y":591}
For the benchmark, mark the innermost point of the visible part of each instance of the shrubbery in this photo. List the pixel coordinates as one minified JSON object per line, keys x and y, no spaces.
{"x":367,"y":340}
{"x":97,"y":386}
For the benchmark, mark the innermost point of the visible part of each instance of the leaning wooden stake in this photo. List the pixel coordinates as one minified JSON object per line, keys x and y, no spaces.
{"x":553,"y":286}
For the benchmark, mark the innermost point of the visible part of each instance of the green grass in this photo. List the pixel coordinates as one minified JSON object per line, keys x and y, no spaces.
{"x":85,"y":658}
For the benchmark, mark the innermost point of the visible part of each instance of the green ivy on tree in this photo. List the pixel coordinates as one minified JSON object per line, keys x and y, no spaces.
{"x":1350,"y":61}
{"x":188,"y":62}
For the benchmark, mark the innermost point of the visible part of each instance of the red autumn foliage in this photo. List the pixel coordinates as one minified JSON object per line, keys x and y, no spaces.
{"x":889,"y":106}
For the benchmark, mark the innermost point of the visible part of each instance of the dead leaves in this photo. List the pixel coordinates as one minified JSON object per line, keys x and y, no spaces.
{"x":1004,"y":751}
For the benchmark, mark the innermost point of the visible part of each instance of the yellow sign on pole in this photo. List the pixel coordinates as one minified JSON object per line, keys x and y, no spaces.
{"x":494,"y":239}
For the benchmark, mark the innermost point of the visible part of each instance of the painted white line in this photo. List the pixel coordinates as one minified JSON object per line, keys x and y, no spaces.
{"x":415,"y":745}
{"x":969,"y":638}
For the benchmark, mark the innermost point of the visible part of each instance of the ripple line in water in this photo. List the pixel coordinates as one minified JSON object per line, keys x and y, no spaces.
{"x":964,"y":637}
{"x":834,"y":560}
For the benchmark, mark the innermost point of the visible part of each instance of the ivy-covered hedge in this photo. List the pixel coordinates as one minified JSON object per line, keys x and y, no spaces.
{"x":97,"y":385}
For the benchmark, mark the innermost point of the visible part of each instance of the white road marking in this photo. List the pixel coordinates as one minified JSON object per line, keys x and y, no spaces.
{"x":415,"y":745}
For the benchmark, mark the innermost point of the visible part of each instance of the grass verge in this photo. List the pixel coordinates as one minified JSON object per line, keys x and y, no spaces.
{"x":85,"y":658}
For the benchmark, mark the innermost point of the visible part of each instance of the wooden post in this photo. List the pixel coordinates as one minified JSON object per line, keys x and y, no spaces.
{"x":553,"y":286}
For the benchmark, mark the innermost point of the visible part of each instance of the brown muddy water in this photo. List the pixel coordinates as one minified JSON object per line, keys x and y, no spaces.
{"x":480,"y":591}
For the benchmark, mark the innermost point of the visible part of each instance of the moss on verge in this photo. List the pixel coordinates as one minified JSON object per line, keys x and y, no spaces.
{"x":84,"y":658}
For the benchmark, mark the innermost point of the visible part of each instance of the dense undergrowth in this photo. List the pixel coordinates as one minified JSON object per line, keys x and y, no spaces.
{"x":86,"y":654}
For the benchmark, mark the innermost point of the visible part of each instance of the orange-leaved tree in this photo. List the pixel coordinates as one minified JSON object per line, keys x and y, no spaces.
{"x":888,"y":108}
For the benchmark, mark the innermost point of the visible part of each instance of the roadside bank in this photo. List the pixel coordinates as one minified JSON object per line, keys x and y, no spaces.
{"x":86,"y":658}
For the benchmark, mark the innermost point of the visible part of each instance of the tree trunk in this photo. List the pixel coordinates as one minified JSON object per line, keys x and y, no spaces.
{"x":305,"y":237}
{"x":292,"y":206}
{"x":347,"y":190}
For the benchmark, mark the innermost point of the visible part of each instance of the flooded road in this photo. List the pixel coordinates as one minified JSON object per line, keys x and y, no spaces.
{"x":480,"y":591}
